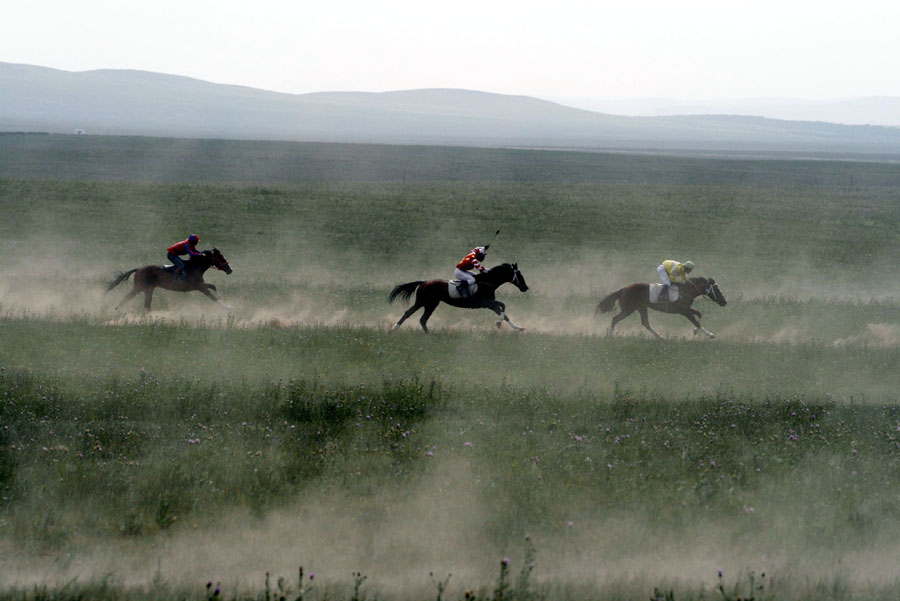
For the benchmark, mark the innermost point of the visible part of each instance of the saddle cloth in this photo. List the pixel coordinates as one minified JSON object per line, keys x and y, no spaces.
{"x":453,"y":289}
{"x":656,"y":290}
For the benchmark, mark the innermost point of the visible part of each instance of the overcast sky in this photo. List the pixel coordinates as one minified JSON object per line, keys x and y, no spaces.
{"x":705,"y":49}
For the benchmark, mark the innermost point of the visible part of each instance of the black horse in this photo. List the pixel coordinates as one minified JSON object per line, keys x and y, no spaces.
{"x":429,"y":294}
{"x":150,"y":277}
{"x":636,"y":297}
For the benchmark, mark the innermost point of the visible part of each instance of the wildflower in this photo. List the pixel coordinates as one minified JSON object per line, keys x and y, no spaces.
{"x":505,"y":561}
{"x":467,"y":444}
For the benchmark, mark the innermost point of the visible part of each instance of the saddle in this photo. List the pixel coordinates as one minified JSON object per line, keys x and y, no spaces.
{"x":173,"y":270}
{"x":656,"y":291}
{"x":455,"y":291}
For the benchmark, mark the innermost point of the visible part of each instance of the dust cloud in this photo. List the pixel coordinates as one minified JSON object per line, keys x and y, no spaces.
{"x":440,"y":524}
{"x":347,"y":291}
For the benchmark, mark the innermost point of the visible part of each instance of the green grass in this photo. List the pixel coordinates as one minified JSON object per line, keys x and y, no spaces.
{"x":142,"y":456}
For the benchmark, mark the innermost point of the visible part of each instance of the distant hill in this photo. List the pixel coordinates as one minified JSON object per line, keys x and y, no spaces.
{"x":142,"y":103}
{"x":873,"y":110}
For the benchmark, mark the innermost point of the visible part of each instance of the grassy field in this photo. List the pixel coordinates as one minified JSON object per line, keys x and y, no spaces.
{"x":142,"y":456}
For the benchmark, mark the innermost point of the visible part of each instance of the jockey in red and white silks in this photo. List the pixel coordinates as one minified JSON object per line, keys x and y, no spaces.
{"x":470,"y":262}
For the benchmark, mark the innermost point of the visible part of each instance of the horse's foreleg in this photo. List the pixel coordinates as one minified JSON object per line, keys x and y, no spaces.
{"x":128,"y":297}
{"x":500,"y":309}
{"x":697,"y":327}
{"x":406,"y":315}
{"x":206,"y":289}
{"x":645,"y":321}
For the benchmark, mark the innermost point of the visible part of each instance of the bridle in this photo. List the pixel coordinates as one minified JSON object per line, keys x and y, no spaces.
{"x":700,"y":292}
{"x":219,"y":261}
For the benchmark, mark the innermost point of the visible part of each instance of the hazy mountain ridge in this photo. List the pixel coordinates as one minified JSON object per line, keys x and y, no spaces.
{"x":872,"y":110}
{"x":129,"y":102}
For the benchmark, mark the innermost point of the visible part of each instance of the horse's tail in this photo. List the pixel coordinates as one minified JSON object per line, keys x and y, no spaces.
{"x":606,"y":305}
{"x":120,"y":277}
{"x":404,"y":291}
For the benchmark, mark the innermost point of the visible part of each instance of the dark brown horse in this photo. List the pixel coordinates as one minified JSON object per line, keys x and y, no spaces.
{"x":636,"y":297}
{"x":150,"y":277}
{"x":429,"y":294}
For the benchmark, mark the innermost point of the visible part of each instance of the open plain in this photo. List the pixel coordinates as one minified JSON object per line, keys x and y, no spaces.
{"x":144,"y":455}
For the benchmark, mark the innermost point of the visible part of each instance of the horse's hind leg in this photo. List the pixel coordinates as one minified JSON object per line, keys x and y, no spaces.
{"x":429,"y":309}
{"x":616,"y":319}
{"x":128,"y":297}
{"x":148,"y":298}
{"x":406,"y":315}
{"x":645,"y":321}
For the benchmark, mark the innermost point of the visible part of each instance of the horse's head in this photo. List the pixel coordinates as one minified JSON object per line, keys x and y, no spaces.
{"x":518,"y":279}
{"x":712,"y":292}
{"x":219,"y":261}
{"x":506,"y":272}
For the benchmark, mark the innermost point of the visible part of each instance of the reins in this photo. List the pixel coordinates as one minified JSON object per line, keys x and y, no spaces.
{"x":699,"y":292}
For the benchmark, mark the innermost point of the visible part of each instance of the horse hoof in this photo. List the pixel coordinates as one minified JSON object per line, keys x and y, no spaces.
{"x":499,"y":323}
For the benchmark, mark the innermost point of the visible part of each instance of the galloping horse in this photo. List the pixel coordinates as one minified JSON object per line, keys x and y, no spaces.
{"x":150,"y":277}
{"x":636,"y":297}
{"x":432,"y":292}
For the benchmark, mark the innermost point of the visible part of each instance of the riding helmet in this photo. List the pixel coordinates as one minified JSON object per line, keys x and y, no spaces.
{"x":689,"y":266}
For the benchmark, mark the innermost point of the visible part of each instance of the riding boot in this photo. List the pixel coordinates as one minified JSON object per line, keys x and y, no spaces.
{"x":464,"y":291}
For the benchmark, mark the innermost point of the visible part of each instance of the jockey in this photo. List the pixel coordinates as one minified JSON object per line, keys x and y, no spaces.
{"x":469,"y":262}
{"x":185,"y":247}
{"x":672,"y":271}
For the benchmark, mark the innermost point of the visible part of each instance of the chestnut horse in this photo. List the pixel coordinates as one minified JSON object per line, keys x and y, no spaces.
{"x":429,"y":294}
{"x":150,"y":277}
{"x":636,"y":297}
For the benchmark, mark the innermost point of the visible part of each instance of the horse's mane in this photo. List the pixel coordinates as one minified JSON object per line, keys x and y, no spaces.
{"x":499,"y":268}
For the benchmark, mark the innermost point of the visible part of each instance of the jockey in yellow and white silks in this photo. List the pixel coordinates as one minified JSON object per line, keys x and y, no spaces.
{"x":674,"y":272}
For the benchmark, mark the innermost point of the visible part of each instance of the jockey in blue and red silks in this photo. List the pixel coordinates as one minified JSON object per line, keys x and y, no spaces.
{"x":185,"y":247}
{"x":469,"y":262}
